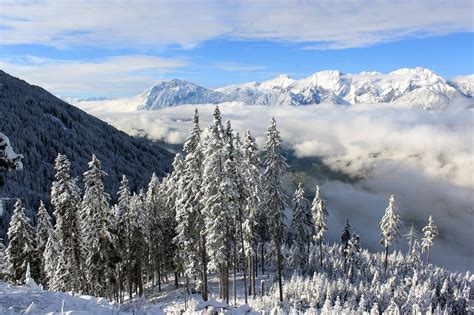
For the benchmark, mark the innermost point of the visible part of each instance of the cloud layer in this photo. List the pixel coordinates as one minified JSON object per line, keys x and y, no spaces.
{"x":424,"y":158}
{"x":327,"y":25}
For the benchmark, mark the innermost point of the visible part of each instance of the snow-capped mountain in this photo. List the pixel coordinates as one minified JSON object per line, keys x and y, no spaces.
{"x":411,"y":88}
{"x":178,"y":92}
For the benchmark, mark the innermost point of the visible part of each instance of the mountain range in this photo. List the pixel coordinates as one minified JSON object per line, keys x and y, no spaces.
{"x":418,"y":88}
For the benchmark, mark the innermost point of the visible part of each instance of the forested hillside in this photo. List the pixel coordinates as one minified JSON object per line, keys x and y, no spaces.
{"x":40,"y":126}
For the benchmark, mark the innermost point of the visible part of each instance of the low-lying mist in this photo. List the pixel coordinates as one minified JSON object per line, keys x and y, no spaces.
{"x":424,"y":158}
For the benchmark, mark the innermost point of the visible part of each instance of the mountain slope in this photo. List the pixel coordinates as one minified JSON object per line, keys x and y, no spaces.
{"x":408,"y":88}
{"x":40,"y":126}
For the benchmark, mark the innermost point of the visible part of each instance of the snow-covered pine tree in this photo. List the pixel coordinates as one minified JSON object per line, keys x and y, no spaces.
{"x":216,"y":206}
{"x":122,"y":232}
{"x":154,"y":225}
{"x":255,"y":229}
{"x":410,"y":237}
{"x":4,"y":264}
{"x":430,"y":233}
{"x":320,"y":214}
{"x":190,"y":222}
{"x":44,"y":230}
{"x":275,"y":203}
{"x":238,"y":200}
{"x":50,"y":258}
{"x":302,"y":224}
{"x":66,"y":200}
{"x":353,"y":251}
{"x":169,"y":191}
{"x":415,"y":252}
{"x":137,"y":239}
{"x":21,"y":249}
{"x":98,"y":239}
{"x":345,"y":237}
{"x":390,"y":226}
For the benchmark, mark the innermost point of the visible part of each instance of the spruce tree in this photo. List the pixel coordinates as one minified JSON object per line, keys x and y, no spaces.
{"x":4,"y":263}
{"x":21,"y":249}
{"x":410,"y":237}
{"x":302,"y":224}
{"x":345,"y":237}
{"x":44,"y":231}
{"x":50,"y":259}
{"x":100,"y":254}
{"x":66,"y":201}
{"x":137,"y":239}
{"x":275,"y":203}
{"x":320,"y":213}
{"x":390,"y":226}
{"x":216,"y":206}
{"x":154,"y":225}
{"x":430,"y":233}
{"x":255,"y":229}
{"x":190,"y":222}
{"x":123,"y":237}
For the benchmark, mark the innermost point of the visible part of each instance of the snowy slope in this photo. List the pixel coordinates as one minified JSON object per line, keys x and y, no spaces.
{"x":465,"y":84}
{"x":408,"y":88}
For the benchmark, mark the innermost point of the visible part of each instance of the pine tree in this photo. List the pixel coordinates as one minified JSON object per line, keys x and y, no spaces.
{"x":50,"y":258}
{"x":415,"y":252}
{"x":190,"y":222}
{"x":65,"y":198}
{"x":255,"y":228}
{"x":44,"y":231}
{"x":100,"y":253}
{"x":122,"y":231}
{"x":275,"y":203}
{"x":4,"y":263}
{"x":216,"y":206}
{"x":390,"y":226}
{"x":170,"y":190}
{"x":320,"y":213}
{"x":302,"y":224}
{"x":430,"y":233}
{"x":238,"y":195}
{"x":137,"y":239}
{"x":353,"y":251}
{"x":345,"y":237}
{"x":410,"y":236}
{"x":154,"y":225}
{"x":21,"y":249}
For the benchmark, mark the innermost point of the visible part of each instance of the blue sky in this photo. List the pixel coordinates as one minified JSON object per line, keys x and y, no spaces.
{"x":104,"y":48}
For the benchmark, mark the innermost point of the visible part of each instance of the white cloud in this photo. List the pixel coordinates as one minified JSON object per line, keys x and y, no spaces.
{"x":424,"y":158}
{"x":326,"y":24}
{"x":120,"y":75}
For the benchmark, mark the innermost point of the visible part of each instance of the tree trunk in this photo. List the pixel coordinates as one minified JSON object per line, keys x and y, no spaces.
{"x":254,"y":271}
{"x":243,"y":255}
{"x":280,"y":281}
{"x":321,"y":252}
{"x":234,"y":284}
{"x":159,"y":275}
{"x":385,"y":263}
{"x":263,"y":259}
{"x":176,"y":279}
{"x":204,"y":268}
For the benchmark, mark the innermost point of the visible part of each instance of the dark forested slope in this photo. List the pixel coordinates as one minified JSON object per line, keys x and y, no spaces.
{"x":41,"y":125}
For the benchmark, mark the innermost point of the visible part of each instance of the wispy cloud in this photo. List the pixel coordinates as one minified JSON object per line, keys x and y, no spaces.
{"x":120,"y":75}
{"x":320,"y":24}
